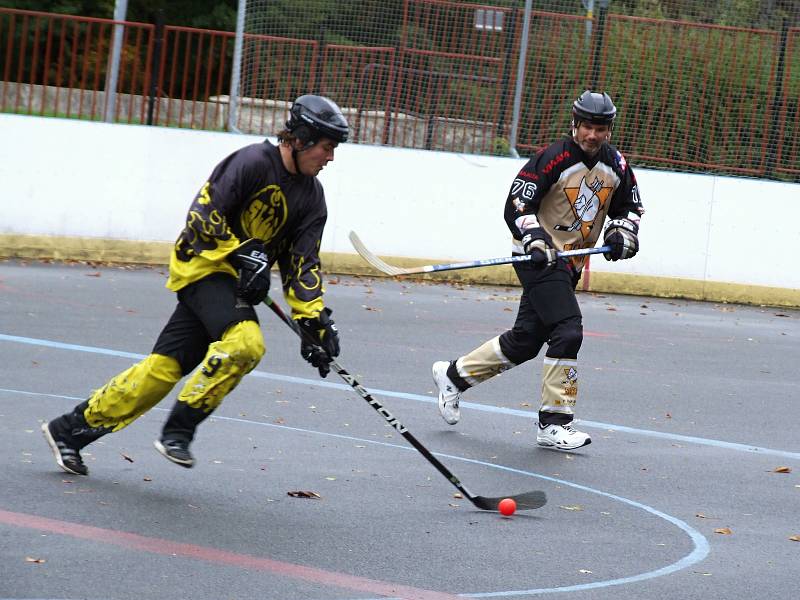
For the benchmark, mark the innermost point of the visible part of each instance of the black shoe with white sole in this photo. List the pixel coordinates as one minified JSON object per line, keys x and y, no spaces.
{"x":175,"y":450}
{"x":67,"y":456}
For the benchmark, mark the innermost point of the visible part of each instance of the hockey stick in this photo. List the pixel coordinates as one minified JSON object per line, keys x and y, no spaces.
{"x":525,"y":501}
{"x":485,"y":262}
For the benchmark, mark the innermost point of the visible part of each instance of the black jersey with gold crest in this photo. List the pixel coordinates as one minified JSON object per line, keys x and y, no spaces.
{"x":250,"y":194}
{"x":569,"y":195}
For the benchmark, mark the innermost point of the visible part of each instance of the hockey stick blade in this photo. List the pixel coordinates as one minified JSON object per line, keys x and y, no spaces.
{"x":385,"y":267}
{"x":525,"y":501}
{"x":374,"y":260}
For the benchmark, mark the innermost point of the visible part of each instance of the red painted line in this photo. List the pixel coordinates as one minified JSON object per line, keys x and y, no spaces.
{"x":599,"y":334}
{"x":161,"y":546}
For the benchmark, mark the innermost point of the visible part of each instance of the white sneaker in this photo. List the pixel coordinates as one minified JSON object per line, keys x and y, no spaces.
{"x":563,"y":437}
{"x":449,"y":395}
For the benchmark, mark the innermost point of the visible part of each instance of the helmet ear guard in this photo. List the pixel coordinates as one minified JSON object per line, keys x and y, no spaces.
{"x":313,"y":117}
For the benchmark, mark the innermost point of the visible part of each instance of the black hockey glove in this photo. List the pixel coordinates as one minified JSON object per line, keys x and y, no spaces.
{"x":538,"y":243}
{"x":622,"y":236}
{"x":325,"y":336}
{"x":250,"y":259}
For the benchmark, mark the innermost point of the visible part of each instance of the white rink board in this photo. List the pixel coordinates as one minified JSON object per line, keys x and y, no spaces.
{"x":62,"y":177}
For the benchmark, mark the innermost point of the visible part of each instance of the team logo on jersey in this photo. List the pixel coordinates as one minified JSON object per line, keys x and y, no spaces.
{"x":586,"y":200}
{"x":266,"y":213}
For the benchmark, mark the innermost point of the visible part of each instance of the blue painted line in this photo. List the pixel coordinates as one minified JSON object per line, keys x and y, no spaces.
{"x":673,"y":437}
{"x":700,"y":543}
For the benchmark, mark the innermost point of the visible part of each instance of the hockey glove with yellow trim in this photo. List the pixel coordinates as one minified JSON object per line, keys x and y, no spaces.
{"x":323,"y":333}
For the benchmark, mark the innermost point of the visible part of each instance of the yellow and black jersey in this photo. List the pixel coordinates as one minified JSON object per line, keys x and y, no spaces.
{"x":250,"y":194}
{"x":569,"y":195}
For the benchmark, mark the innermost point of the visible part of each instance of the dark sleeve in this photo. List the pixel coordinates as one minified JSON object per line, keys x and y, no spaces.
{"x":207,"y":231}
{"x":300,"y":266}
{"x":530,"y":185}
{"x":626,"y":198}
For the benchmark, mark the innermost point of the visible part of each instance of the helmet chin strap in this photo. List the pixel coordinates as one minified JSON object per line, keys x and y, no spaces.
{"x":295,"y":152}
{"x":294,"y":160}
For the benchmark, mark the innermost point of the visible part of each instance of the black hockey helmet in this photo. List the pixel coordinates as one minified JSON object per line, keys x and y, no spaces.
{"x":312,"y":117}
{"x":594,"y":107}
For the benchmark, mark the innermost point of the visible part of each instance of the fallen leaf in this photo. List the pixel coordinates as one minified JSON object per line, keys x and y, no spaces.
{"x":30,"y":559}
{"x":795,"y":538}
{"x":782,"y":470}
{"x":723,"y":531}
{"x":126,"y":457}
{"x":458,"y":495}
{"x":147,"y":478}
{"x":584,"y":571}
{"x":302,"y":494}
{"x":96,"y":274}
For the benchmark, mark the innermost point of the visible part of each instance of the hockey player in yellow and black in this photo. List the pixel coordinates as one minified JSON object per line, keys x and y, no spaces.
{"x":558,"y":201}
{"x":261,"y":205}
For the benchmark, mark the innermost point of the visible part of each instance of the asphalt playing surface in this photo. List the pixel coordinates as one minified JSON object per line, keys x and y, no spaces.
{"x":689,"y":489}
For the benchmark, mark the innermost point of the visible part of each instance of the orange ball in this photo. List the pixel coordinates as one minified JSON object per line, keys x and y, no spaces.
{"x":507,"y":506}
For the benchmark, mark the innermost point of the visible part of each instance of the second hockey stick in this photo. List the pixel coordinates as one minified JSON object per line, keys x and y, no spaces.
{"x":525,"y":501}
{"x":485,"y":262}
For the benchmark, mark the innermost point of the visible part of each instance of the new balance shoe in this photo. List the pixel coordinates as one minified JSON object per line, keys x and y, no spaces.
{"x":177,"y":451}
{"x":563,"y":437}
{"x":67,"y":457}
{"x":449,"y":394}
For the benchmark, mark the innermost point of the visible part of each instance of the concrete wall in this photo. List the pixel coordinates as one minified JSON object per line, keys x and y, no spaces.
{"x":94,"y":191}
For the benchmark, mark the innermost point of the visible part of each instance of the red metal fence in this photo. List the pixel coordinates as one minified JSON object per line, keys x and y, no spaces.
{"x":691,"y":96}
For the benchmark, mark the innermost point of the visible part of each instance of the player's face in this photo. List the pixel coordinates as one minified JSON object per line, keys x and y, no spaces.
{"x":312,"y":161}
{"x":590,"y":136}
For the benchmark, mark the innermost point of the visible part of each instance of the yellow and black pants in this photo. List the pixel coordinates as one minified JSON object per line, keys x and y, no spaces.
{"x":211,"y":329}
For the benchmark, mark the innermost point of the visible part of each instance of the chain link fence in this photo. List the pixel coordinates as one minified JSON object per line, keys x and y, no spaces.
{"x":700,"y":86}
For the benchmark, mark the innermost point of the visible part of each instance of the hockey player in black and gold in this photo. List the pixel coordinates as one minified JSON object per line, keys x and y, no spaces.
{"x":261,"y":205}
{"x":559,"y":201}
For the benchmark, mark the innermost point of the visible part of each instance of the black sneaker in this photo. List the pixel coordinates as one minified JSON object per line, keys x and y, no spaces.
{"x":177,"y":451}
{"x":68,"y":458}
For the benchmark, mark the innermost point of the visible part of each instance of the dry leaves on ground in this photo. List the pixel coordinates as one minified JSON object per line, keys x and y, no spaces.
{"x":303,"y":494}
